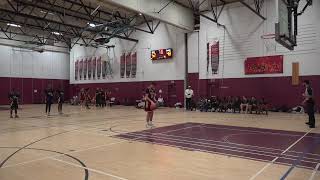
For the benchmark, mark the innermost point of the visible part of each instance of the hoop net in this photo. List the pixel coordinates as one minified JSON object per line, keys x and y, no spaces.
{"x":269,"y":42}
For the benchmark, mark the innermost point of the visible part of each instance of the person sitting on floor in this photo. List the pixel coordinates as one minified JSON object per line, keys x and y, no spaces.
{"x":236,"y":104}
{"x":203,"y":105}
{"x":160,"y":101}
{"x":214,"y":103}
{"x":222,"y":104}
{"x":252,"y":105}
{"x":262,"y":106}
{"x":244,"y":105}
{"x":229,"y":104}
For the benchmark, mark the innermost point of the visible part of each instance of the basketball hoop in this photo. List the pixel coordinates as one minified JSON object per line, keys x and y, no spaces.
{"x":269,"y":42}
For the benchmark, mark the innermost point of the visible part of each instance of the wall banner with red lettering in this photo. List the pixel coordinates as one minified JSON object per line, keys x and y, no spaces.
{"x":89,"y":67}
{"x":128,"y":64}
{"x":98,"y":67}
{"x":214,"y":49}
{"x":76,"y":70}
{"x":80,"y":69}
{"x":264,"y":65}
{"x":94,"y":67}
{"x":134,"y":65}
{"x":85,"y":68}
{"x":122,"y":65}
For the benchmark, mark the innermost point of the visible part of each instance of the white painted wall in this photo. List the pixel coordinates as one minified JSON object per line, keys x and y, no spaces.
{"x":166,"y":36}
{"x":242,"y":39}
{"x":193,"y":49}
{"x":16,"y":62}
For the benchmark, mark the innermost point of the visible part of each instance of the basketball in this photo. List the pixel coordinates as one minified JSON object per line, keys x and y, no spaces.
{"x":153,"y":106}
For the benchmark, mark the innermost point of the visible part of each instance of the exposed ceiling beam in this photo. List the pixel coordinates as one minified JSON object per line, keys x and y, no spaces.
{"x":65,"y":24}
{"x":253,"y":10}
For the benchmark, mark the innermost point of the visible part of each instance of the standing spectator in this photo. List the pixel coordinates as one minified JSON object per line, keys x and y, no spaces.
{"x":110,"y":98}
{"x":60,"y":100}
{"x":14,"y":100}
{"x":309,"y":102}
{"x":103,"y":97}
{"x":48,"y":100}
{"x":189,"y":95}
{"x":97,"y":97}
{"x":87,"y":98}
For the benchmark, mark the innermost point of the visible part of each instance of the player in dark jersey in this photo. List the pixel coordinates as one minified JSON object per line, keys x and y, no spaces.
{"x":14,"y":99}
{"x":87,"y":98}
{"x":60,"y":94}
{"x":48,"y":100}
{"x":309,"y":103}
{"x":103,"y":98}
{"x":97,"y":97}
{"x":150,"y":98}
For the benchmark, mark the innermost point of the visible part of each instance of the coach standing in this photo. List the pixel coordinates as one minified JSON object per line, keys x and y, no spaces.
{"x":309,"y":103}
{"x":189,"y":95}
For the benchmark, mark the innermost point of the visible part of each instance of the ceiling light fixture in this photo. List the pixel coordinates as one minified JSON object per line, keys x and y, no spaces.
{"x":92,"y":25}
{"x":45,"y":12}
{"x":57,"y":33}
{"x":13,"y":25}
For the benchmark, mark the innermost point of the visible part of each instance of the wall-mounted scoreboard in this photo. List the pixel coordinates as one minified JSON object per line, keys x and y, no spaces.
{"x":161,"y":54}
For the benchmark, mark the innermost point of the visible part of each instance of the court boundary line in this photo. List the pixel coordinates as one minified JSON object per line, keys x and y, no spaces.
{"x":260,"y":131}
{"x":89,"y":169}
{"x":270,"y":163}
{"x":220,"y":153}
{"x":105,"y":145}
{"x":97,"y":128}
{"x":315,"y":171}
{"x":205,"y":144}
{"x":217,"y":146}
{"x":208,"y":140}
{"x":29,"y":144}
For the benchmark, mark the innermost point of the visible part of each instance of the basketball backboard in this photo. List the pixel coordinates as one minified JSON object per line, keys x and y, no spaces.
{"x":284,"y":27}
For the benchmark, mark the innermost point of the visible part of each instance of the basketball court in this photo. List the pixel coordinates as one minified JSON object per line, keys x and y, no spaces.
{"x":101,"y":53}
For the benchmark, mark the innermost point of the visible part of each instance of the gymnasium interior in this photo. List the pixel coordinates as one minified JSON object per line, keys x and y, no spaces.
{"x":232,"y":88}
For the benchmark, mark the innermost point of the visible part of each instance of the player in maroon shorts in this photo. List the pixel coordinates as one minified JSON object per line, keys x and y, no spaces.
{"x":149,"y":100}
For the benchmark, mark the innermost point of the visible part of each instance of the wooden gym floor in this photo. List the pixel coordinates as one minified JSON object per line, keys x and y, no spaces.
{"x":113,"y":143}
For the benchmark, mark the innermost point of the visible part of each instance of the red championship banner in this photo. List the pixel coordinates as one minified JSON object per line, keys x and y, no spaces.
{"x":264,"y":65}
{"x":76,"y":69}
{"x":134,"y":65}
{"x":89,"y":67}
{"x":85,"y":68}
{"x":94,"y":67}
{"x":215,"y":57}
{"x":81,"y":69}
{"x":122,"y":65}
{"x":128,"y":64}
{"x":104,"y":66}
{"x":99,"y":67}
{"x":208,"y":56}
